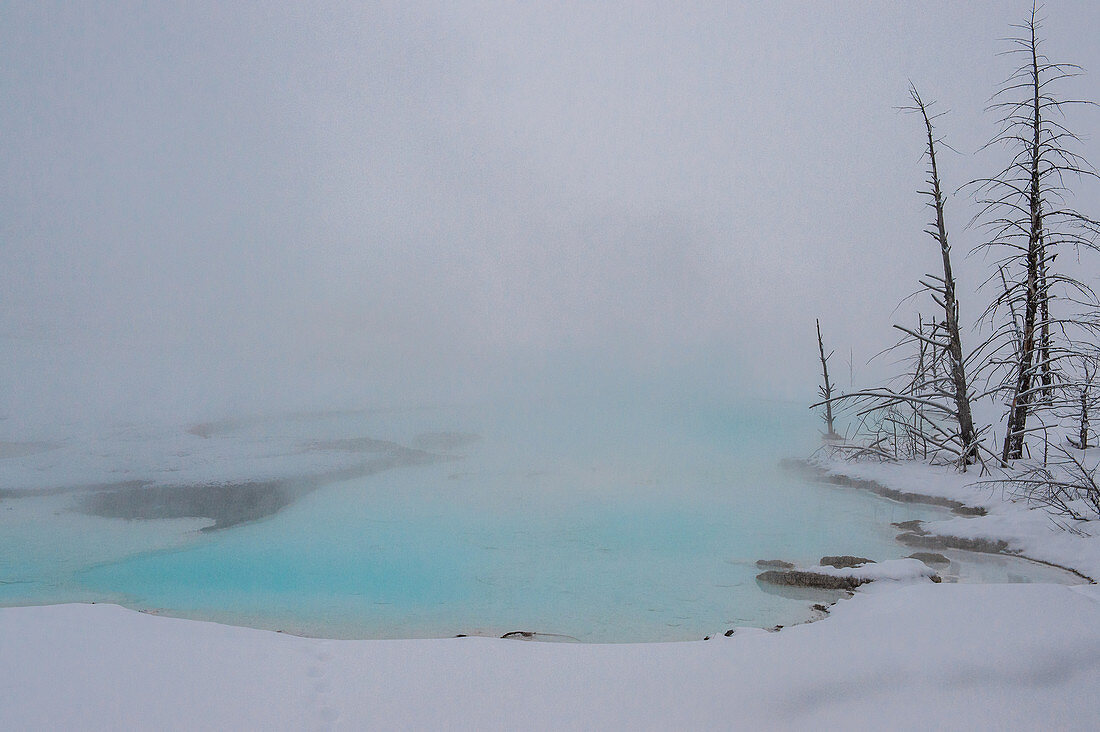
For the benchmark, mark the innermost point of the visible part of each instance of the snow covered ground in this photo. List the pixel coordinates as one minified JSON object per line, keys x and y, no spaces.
{"x":899,"y":655}
{"x":916,"y":657}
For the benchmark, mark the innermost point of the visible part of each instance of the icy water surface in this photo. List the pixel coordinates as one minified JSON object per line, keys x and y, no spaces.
{"x":599,"y":522}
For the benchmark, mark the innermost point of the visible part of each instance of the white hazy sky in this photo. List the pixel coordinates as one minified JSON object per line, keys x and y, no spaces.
{"x":209,"y":206}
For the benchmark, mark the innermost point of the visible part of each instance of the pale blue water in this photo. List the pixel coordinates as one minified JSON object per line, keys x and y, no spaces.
{"x":606,"y":522}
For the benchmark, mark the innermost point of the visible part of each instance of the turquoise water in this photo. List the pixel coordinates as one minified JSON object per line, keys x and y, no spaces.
{"x":605,"y":523}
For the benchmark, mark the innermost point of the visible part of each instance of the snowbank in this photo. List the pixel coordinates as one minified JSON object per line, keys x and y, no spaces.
{"x":916,"y":656}
{"x":850,"y":577}
{"x":893,"y":570}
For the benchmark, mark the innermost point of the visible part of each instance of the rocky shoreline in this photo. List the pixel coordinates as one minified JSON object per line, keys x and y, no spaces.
{"x":808,"y":469}
{"x":913,"y":533}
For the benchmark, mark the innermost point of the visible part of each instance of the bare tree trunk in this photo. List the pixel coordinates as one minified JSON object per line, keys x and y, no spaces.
{"x":1045,"y":371}
{"x":1086,"y":387}
{"x":1084,"y":433}
{"x":1021,"y":397}
{"x":950,"y":304}
{"x":827,"y":387}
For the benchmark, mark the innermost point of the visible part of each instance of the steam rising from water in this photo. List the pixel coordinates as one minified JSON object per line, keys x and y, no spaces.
{"x":210,"y":210}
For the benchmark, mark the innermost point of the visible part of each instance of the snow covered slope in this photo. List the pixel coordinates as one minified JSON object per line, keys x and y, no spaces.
{"x":921,"y":656}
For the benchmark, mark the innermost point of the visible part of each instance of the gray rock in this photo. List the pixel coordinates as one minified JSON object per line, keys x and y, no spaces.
{"x":845,"y":561}
{"x":932,"y":541}
{"x":233,"y":503}
{"x":530,"y":635}
{"x":932,"y":559}
{"x":774,"y":564}
{"x":813,"y":580}
{"x":815,"y":472}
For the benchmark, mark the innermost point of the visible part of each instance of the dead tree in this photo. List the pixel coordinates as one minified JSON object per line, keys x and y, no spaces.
{"x":942,"y":289}
{"x":912,"y":417}
{"x":1023,"y":209}
{"x":1084,"y":398}
{"x":826,"y":388}
{"x":930,"y":416}
{"x":1081,"y":396}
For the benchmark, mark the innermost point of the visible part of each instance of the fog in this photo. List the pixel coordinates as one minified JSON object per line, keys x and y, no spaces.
{"x":207,"y":210}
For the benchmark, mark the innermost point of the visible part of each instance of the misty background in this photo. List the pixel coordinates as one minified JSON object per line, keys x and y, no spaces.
{"x":207,"y":209}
